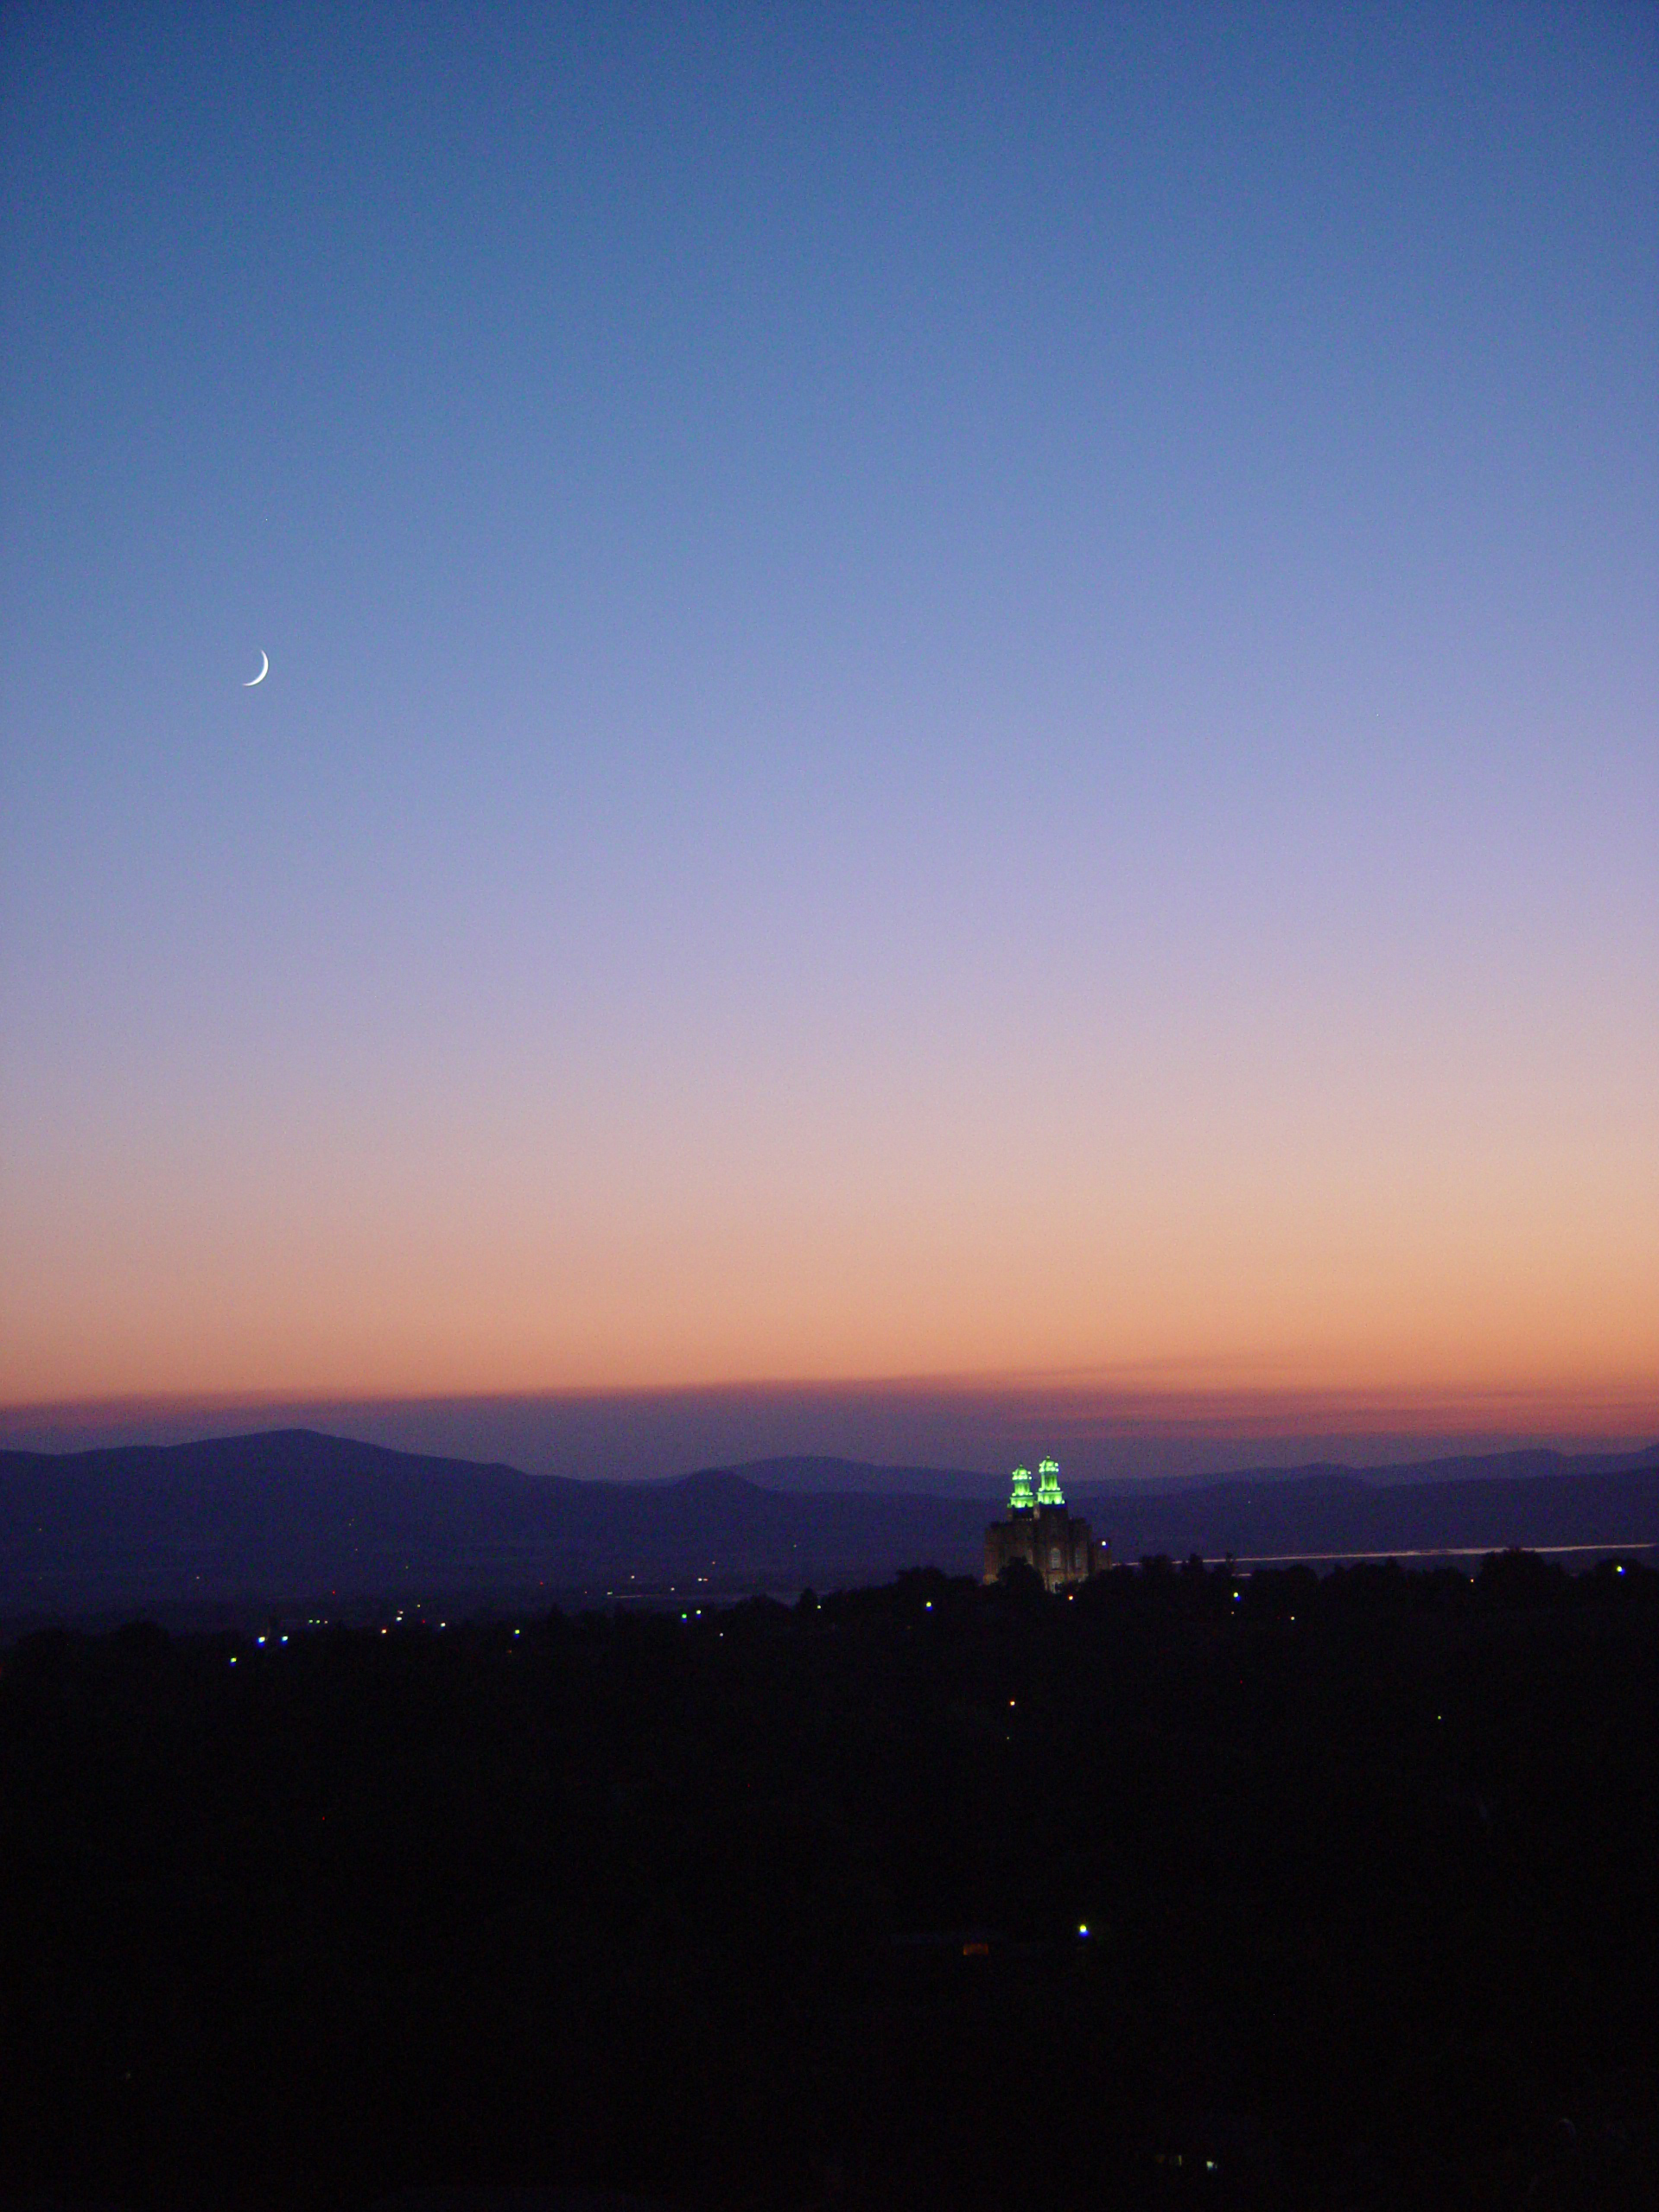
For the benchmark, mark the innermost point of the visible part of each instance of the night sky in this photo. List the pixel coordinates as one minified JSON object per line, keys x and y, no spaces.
{"x":955,"y":693}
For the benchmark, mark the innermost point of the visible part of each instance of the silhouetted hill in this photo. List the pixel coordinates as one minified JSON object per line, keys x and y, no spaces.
{"x":804,"y":1475}
{"x":290,"y":1515}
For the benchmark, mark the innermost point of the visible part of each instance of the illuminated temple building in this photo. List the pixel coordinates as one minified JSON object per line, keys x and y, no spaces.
{"x":1039,"y":1531}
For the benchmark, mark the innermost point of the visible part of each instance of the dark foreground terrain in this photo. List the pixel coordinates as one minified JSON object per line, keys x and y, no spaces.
{"x":787,"y":1908}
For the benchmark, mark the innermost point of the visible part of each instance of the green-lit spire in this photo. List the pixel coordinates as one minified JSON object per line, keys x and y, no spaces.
{"x":1048,"y":1483}
{"x":1021,"y":1500}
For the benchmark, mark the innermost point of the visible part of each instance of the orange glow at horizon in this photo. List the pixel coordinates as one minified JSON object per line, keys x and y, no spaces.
{"x":1063,"y":1410}
{"x":1314,"y":1200}
{"x":1325,"y":1309}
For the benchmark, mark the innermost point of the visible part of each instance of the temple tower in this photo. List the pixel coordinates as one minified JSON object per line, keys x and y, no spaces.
{"x":1039,"y":1531}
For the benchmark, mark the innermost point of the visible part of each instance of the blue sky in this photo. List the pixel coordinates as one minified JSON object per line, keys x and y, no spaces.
{"x":953,"y":692}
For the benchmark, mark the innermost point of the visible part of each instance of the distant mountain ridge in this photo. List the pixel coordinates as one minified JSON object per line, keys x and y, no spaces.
{"x":295,"y":1516}
{"x":804,"y":1474}
{"x":293,"y":1512}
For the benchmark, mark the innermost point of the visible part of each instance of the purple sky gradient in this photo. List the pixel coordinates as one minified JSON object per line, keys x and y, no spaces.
{"x":951,"y":693}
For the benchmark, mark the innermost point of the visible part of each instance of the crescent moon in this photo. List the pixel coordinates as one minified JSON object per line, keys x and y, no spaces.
{"x":265,"y":671}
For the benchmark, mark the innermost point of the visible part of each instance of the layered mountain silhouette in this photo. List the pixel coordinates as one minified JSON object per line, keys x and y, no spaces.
{"x":292,"y":1516}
